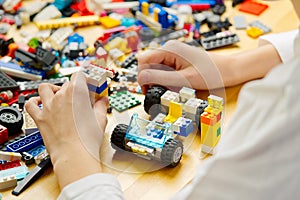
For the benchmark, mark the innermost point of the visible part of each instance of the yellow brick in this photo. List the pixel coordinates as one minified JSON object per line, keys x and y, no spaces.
{"x":175,"y":111}
{"x":118,"y":43}
{"x":145,"y":8}
{"x":254,"y":32}
{"x":212,"y":110}
{"x":103,"y":94}
{"x":209,"y":134}
{"x":109,"y":22}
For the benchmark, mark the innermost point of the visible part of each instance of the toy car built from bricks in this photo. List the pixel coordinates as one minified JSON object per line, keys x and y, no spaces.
{"x":156,"y":139}
{"x":149,"y":139}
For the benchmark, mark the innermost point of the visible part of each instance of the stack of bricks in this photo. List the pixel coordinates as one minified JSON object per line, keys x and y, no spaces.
{"x":211,"y":124}
{"x":97,"y":81}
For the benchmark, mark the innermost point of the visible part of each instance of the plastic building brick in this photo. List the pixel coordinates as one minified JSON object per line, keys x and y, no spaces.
{"x":4,"y":46}
{"x":37,"y":150}
{"x":62,"y":4}
{"x":5,"y":96}
{"x":150,"y":22}
{"x":75,"y":47}
{"x":45,"y":58}
{"x":128,"y":61}
{"x":101,"y":54}
{"x":3,"y":146}
{"x":261,"y":26}
{"x":27,"y":158}
{"x":133,"y":39}
{"x":34,"y":7}
{"x":216,"y":42}
{"x":6,"y":82}
{"x":57,"y":38}
{"x":49,"y":12}
{"x":119,"y":43}
{"x":186,"y":93}
{"x":191,"y":105}
{"x":33,"y":85}
{"x":239,"y":22}
{"x":219,"y":9}
{"x":10,"y":156}
{"x":115,"y":54}
{"x":10,"y":5}
{"x":123,"y":100}
{"x":4,"y":28}
{"x":21,"y":101}
{"x":9,"y":165}
{"x":8,"y":182}
{"x":125,"y":21}
{"x":109,"y":22}
{"x":155,"y":14}
{"x":211,"y":124}
{"x":26,"y":143}
{"x":41,"y":156}
{"x":3,"y":134}
{"x":200,"y":3}
{"x":254,"y":32}
{"x":80,"y":8}
{"x":175,"y":111}
{"x":19,"y":172}
{"x":253,"y":7}
{"x":8,"y":19}
{"x":159,"y":118}
{"x":183,"y":126}
{"x":219,"y":25}
{"x":97,"y":81}
{"x":169,"y":96}
{"x":29,"y":124}
{"x":22,"y":72}
{"x":236,"y":2}
{"x":163,"y":38}
{"x":68,"y":21}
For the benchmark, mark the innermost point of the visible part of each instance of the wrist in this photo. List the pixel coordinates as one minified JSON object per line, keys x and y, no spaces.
{"x":74,"y":164}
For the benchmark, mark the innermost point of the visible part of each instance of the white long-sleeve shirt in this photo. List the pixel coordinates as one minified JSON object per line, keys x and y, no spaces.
{"x":259,"y":157}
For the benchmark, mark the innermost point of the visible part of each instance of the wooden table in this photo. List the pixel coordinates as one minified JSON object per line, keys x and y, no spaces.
{"x":142,"y":179}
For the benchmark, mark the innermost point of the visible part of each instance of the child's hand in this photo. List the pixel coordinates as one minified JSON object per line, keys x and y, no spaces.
{"x":176,"y":65}
{"x":71,"y":128}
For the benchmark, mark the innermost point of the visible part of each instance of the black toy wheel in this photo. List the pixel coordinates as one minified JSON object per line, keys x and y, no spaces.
{"x":12,"y":119}
{"x":172,"y":152}
{"x":152,"y":104}
{"x":118,"y":136}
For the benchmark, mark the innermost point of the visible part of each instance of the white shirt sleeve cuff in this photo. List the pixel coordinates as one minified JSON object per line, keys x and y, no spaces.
{"x":96,"y":186}
{"x":283,"y":42}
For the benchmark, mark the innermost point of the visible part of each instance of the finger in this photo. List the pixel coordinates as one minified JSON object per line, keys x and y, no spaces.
{"x":32,"y":107}
{"x":79,"y":81}
{"x":79,"y":90}
{"x":100,"y":109}
{"x":164,"y":78}
{"x":149,"y":59}
{"x":167,"y":55}
{"x":47,"y":91}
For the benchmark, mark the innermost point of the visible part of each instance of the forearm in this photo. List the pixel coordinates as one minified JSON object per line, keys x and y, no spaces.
{"x":248,"y":65}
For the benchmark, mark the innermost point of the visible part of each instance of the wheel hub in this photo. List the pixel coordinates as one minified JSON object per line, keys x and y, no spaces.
{"x":9,"y":117}
{"x":177,"y":154}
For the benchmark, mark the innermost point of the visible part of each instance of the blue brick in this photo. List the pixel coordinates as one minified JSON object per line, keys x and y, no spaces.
{"x":97,"y":89}
{"x":26,"y":143}
{"x":37,"y":150}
